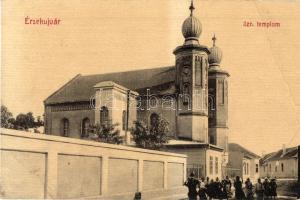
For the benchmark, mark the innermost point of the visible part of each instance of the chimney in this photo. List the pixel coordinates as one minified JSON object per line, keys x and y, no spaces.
{"x":283,"y":149}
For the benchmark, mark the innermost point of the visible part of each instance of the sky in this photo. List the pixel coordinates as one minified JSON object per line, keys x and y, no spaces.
{"x":101,"y":36}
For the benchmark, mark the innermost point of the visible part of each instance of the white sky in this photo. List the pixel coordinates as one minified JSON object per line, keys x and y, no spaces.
{"x":99,"y":36}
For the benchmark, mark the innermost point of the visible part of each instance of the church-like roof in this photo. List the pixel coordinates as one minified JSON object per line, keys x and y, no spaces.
{"x":80,"y":88}
{"x":215,"y":56}
{"x":191,"y":28}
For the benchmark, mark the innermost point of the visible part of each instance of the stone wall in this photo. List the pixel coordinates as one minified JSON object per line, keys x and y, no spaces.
{"x":42,"y":166}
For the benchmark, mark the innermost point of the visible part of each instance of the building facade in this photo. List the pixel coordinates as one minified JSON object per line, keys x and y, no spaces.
{"x":192,"y":96}
{"x":243,"y":163}
{"x":280,"y":164}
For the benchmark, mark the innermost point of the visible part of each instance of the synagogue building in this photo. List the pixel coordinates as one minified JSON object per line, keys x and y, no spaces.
{"x":192,"y":96}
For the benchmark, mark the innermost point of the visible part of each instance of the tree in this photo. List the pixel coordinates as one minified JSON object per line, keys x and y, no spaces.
{"x":6,"y":117}
{"x":105,"y":133}
{"x":22,"y":121}
{"x":39,"y":122}
{"x":25,"y":121}
{"x":151,"y":138}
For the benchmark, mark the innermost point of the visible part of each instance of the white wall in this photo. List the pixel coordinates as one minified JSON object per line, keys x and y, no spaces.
{"x":43,"y":166}
{"x":214,"y":155}
{"x":290,"y":169}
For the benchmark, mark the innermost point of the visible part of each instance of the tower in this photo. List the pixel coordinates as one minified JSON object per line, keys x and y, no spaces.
{"x":192,"y":82}
{"x":218,"y":99}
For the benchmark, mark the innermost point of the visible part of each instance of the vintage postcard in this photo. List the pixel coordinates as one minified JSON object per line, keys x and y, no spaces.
{"x":150,"y":99}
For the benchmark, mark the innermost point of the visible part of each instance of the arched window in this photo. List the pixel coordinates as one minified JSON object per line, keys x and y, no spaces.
{"x":154,"y":119}
{"x":211,"y":102}
{"x":124,"y":120}
{"x":104,"y":116}
{"x":211,"y":109}
{"x":85,"y":127}
{"x":65,"y":127}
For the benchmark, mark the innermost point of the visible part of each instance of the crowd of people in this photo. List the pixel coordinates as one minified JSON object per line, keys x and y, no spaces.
{"x":225,"y":189}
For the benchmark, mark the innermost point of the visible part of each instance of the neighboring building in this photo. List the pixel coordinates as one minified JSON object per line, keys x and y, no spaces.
{"x":280,"y":164}
{"x":243,"y":163}
{"x":203,"y":159}
{"x":192,"y":96}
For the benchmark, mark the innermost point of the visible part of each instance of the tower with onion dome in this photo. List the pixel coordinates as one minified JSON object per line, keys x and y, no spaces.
{"x":217,"y":98}
{"x":192,"y":82}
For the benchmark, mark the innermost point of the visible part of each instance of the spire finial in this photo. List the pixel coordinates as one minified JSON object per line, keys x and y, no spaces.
{"x":214,"y":40}
{"x":192,"y":8}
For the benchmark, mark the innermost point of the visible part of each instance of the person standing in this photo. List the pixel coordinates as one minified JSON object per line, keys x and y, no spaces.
{"x":210,"y":189}
{"x":207,"y":182}
{"x":224,"y":192}
{"x":192,"y":185}
{"x":273,"y":188}
{"x":228,"y":185}
{"x":239,"y":194}
{"x":266,"y":185}
{"x":217,"y":189}
{"x":137,"y":196}
{"x":249,"y":189}
{"x":259,"y":190}
{"x":202,"y":190}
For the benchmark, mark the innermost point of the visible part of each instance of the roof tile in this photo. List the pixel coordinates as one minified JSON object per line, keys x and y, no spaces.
{"x":80,"y":88}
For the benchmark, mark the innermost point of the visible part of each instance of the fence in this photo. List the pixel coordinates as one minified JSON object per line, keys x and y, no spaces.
{"x":42,"y":166}
{"x":197,"y":169}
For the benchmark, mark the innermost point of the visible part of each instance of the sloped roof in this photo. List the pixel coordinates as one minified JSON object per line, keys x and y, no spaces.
{"x":279,"y":155}
{"x":267,"y":156}
{"x":80,"y":88}
{"x":239,"y":148}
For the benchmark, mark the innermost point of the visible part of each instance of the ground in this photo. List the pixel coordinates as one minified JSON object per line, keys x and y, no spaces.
{"x":287,"y":187}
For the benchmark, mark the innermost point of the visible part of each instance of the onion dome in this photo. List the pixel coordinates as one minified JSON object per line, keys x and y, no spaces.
{"x":191,"y":27}
{"x":215,"y":56}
